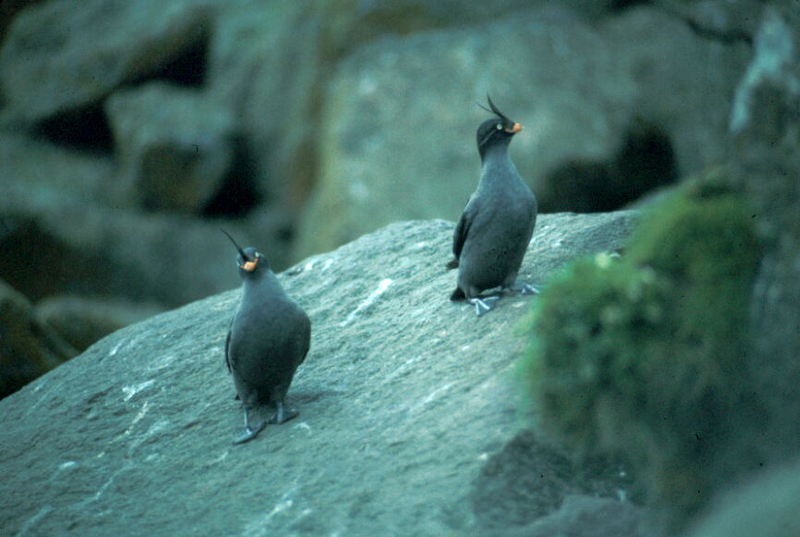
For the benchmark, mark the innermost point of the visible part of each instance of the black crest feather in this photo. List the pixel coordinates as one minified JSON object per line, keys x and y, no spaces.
{"x":493,"y":109}
{"x":238,"y":248}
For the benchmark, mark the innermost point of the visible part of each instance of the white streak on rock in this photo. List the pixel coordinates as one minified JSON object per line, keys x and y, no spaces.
{"x":116,"y":347}
{"x":165,"y":361}
{"x":138,"y":418}
{"x":104,"y":486}
{"x":220,"y":458}
{"x":258,"y":527}
{"x":382,"y":287}
{"x":40,"y":514}
{"x":130,"y":391}
{"x":431,"y":396}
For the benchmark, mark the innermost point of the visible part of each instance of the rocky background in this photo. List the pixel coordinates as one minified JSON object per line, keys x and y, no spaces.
{"x":130,"y":131}
{"x":652,"y":390}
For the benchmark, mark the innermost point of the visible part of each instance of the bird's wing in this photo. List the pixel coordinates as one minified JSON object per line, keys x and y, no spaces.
{"x":462,"y":228}
{"x":228,"y":349}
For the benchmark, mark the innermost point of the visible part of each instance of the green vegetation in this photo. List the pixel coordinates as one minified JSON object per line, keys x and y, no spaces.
{"x":646,"y":356}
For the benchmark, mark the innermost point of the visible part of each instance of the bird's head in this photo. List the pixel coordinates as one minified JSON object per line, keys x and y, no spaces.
{"x":497,"y":130}
{"x":249,"y":259}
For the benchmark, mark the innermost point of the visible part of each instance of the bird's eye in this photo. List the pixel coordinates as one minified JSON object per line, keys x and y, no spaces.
{"x":499,"y":126}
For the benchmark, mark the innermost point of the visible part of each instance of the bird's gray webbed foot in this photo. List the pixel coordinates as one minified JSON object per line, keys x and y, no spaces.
{"x":521,"y":289}
{"x":283,"y":414}
{"x":527,"y":289}
{"x":249,"y":431}
{"x":484,"y":305}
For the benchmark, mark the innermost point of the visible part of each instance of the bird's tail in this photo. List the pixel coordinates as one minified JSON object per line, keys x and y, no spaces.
{"x":453,"y":263}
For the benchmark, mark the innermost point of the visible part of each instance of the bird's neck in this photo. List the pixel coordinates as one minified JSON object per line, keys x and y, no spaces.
{"x":263,"y":285}
{"x":496,"y":165}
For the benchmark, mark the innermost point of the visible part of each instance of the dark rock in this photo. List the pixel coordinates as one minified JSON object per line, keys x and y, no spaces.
{"x":274,"y":65}
{"x":28,"y":349}
{"x":529,"y":480}
{"x":400,"y":121}
{"x":684,"y":85}
{"x":646,"y":357}
{"x":173,"y":146}
{"x":271,"y":65}
{"x":766,"y":109}
{"x":598,"y":101}
{"x":81,"y":321}
{"x":585,"y":516}
{"x":96,"y":251}
{"x":718,"y":20}
{"x":404,"y":400}
{"x":765,"y":127}
{"x":58,"y":57}
{"x":767,"y":507}
{"x":44,"y":176}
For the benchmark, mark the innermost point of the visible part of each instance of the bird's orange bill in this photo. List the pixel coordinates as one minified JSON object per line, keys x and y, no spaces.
{"x":250,"y":266}
{"x":515,"y":129}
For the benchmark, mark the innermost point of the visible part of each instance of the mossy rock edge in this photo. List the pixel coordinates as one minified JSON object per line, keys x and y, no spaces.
{"x":646,"y":355}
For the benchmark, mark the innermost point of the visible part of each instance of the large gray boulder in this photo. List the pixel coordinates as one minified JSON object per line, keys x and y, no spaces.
{"x":81,"y":320}
{"x":174,"y":147}
{"x":58,"y":56}
{"x":272,"y":61}
{"x":765,"y":127}
{"x":61,"y":233}
{"x":44,"y":177}
{"x":611,"y":108}
{"x":408,"y":422}
{"x":28,"y":348}
{"x":160,"y":258}
{"x":267,"y":61}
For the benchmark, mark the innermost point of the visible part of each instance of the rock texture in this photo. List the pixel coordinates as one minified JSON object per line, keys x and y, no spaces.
{"x":408,"y":421}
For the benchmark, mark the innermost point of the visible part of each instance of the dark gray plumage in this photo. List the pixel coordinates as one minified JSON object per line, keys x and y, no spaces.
{"x":268,"y":339}
{"x":497,"y":224}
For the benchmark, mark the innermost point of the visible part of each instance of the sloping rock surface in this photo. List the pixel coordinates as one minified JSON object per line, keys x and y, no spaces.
{"x":408,"y":422}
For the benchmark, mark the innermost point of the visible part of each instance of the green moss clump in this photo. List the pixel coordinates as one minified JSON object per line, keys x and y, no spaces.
{"x":646,"y":356}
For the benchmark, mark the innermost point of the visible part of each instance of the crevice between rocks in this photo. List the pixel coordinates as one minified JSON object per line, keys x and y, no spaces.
{"x":644,"y":161}
{"x":86,"y":128}
{"x":702,"y":31}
